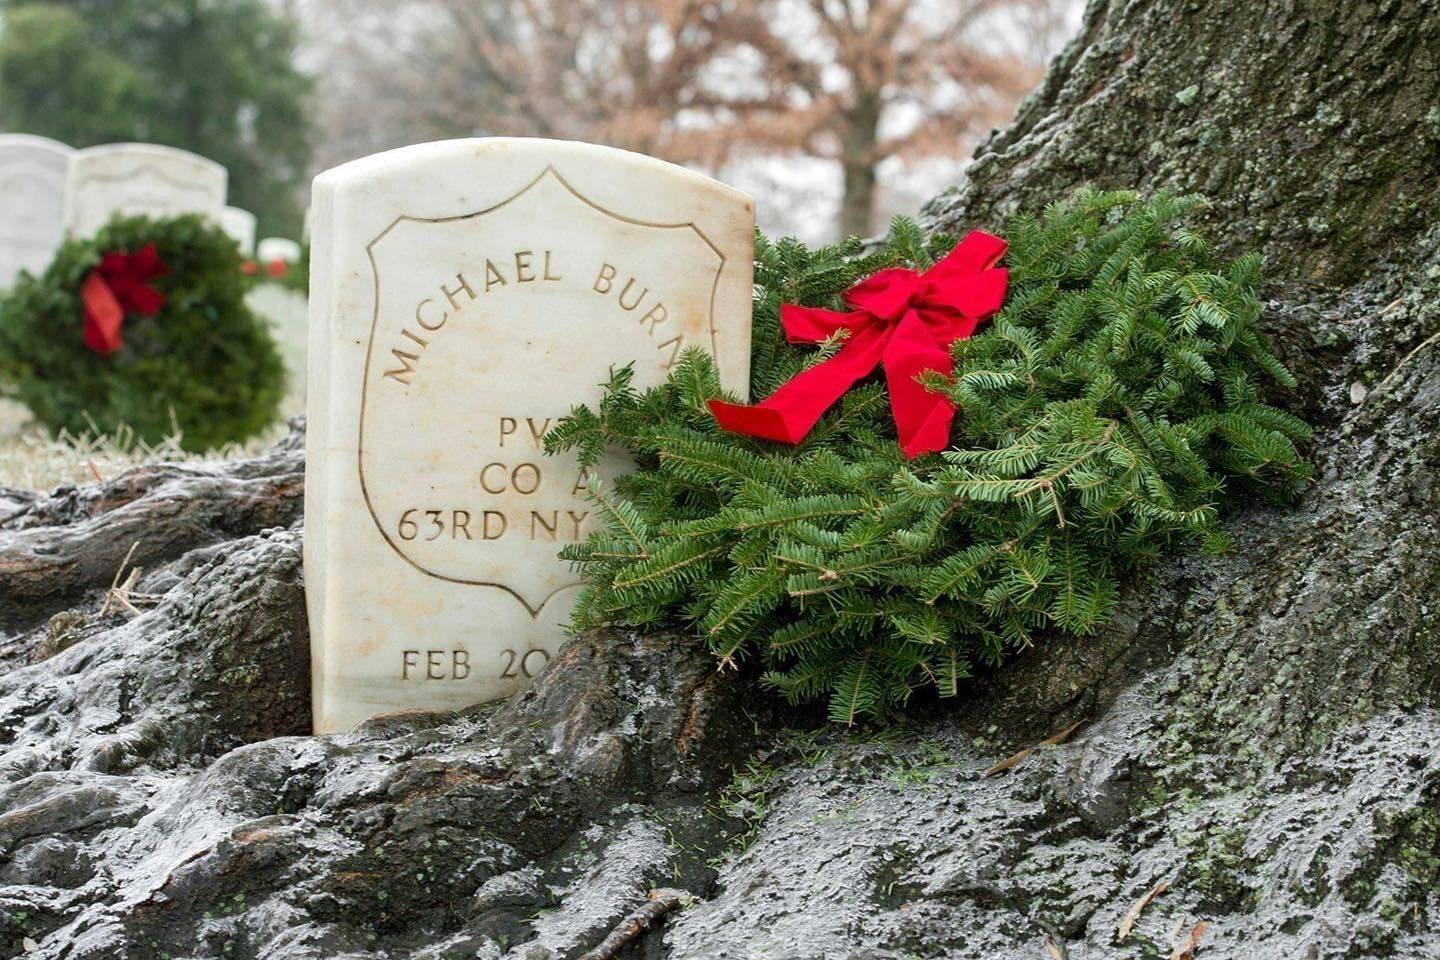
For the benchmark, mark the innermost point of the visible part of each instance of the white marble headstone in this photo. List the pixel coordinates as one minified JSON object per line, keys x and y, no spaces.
{"x":278,"y":248}
{"x":240,"y":225}
{"x":32,"y":202}
{"x":464,"y":296}
{"x":140,"y":178}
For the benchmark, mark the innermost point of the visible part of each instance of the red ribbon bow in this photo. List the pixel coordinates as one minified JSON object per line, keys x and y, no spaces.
{"x":902,"y":319}
{"x":120,"y":285}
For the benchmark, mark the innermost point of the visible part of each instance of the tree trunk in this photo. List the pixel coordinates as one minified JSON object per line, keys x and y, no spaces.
{"x":1258,"y":731}
{"x":857,"y":205}
{"x":857,"y":163}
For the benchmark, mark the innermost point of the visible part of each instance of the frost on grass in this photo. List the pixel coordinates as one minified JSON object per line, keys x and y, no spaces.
{"x":33,"y":459}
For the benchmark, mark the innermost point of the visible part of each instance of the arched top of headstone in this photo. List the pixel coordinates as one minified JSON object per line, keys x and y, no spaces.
{"x":154,"y":152}
{"x":442,"y":156}
{"x":490,"y":171}
{"x":140,"y":178}
{"x":278,"y":248}
{"x":14,"y":142}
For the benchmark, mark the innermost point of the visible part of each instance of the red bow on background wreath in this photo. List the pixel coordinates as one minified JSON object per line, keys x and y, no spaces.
{"x":902,"y":319}
{"x":276,"y":268}
{"x":120,"y":285}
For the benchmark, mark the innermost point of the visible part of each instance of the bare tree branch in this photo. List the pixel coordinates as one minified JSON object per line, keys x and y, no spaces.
{"x":694,"y":81}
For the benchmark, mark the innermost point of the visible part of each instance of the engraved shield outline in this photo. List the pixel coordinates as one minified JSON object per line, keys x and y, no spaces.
{"x":549,"y":171}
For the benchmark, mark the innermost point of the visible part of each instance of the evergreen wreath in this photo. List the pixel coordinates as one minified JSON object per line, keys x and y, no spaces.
{"x":202,"y":362}
{"x":1107,"y":412}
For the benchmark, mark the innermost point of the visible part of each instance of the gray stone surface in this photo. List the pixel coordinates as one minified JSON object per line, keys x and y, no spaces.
{"x":159,"y":802}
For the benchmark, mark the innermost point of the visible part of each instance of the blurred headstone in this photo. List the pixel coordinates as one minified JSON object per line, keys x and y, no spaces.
{"x":32,"y":202}
{"x":140,"y":178}
{"x":464,"y":296}
{"x":281,"y":249}
{"x":287,"y":312}
{"x":240,"y":224}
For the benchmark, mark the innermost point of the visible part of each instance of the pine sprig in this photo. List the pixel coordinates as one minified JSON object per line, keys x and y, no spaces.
{"x":1107,"y":413}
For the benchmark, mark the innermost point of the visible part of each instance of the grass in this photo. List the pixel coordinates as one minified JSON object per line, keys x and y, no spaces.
{"x":33,"y":459}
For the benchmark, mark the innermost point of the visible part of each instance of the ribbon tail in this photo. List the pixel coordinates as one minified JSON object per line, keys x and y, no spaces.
{"x":789,"y":413}
{"x":816,"y":324}
{"x":103,"y":315}
{"x":922,"y":417}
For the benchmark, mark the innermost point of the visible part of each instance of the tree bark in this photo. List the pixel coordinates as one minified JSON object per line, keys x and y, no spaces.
{"x":858,"y":163}
{"x":857,"y":205}
{"x":1259,"y":728}
{"x":1311,"y":126}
